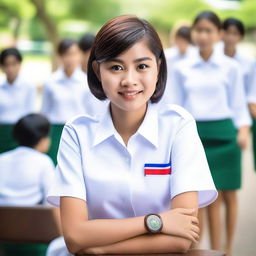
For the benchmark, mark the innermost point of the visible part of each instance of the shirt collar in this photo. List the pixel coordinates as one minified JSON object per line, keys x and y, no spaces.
{"x":148,"y":129}
{"x":15,"y":83}
{"x":215,"y":58}
{"x":77,"y":75}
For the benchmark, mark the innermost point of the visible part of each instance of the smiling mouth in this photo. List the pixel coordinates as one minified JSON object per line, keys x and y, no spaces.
{"x":129,"y":95}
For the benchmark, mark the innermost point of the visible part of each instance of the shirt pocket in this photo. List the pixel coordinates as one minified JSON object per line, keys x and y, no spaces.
{"x":157,"y":181}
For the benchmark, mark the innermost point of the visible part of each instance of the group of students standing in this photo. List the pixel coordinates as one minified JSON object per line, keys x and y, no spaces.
{"x":207,"y":76}
{"x":216,"y":83}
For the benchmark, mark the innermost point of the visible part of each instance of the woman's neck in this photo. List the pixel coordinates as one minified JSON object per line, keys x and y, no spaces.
{"x":11,"y":80}
{"x":69,"y":71}
{"x":127,"y":122}
{"x":206,"y":54}
{"x":230,"y":51}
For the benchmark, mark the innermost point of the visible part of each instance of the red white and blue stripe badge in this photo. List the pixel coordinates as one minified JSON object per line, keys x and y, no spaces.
{"x":157,"y":169}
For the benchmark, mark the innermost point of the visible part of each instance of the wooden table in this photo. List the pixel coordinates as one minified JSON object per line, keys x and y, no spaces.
{"x":192,"y":252}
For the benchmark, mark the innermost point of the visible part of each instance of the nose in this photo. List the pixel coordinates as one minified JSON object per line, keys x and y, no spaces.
{"x":129,"y":79}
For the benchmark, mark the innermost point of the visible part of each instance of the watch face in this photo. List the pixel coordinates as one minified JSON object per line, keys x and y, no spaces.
{"x":154,"y":222}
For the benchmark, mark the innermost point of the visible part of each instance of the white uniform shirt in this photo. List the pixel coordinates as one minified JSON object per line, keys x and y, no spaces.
{"x":173,"y":56}
{"x":210,"y":90}
{"x":16,"y":100}
{"x":248,"y":68}
{"x":95,"y":165}
{"x":25,"y":175}
{"x":65,"y":97}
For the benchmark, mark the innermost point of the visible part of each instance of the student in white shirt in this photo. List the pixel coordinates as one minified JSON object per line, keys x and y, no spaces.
{"x":17,"y":96}
{"x":26,"y":170}
{"x":233,"y":34}
{"x":210,"y":86}
{"x":181,"y":50}
{"x":85,"y":44}
{"x":66,"y":93}
{"x":135,"y":159}
{"x":25,"y":174}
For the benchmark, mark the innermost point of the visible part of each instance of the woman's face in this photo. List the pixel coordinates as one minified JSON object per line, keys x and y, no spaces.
{"x":205,"y":34}
{"x":72,"y":57}
{"x":11,"y":67}
{"x":232,"y":36}
{"x":129,"y":80}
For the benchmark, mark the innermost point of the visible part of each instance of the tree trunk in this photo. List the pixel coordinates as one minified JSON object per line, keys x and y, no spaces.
{"x":50,"y":27}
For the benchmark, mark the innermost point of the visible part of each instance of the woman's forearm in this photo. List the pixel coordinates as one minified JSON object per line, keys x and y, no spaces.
{"x":144,"y":244}
{"x":79,"y":232}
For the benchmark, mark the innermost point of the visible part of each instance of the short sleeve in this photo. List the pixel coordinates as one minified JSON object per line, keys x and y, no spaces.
{"x":190,"y":170}
{"x":69,"y":177}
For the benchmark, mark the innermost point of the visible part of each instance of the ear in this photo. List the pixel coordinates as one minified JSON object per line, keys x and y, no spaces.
{"x":96,"y":69}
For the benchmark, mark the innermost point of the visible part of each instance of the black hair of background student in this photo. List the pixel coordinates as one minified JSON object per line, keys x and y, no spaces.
{"x":118,"y":35}
{"x":85,"y":43}
{"x":30,"y":129}
{"x":234,"y":22}
{"x":10,"y":52}
{"x":65,"y":44}
{"x":210,"y":16}
{"x":184,"y":32}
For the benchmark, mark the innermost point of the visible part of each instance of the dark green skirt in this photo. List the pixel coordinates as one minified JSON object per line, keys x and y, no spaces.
{"x":55,"y":134}
{"x":222,"y":152}
{"x":6,"y":139}
{"x":23,"y":249}
{"x":254,"y":142}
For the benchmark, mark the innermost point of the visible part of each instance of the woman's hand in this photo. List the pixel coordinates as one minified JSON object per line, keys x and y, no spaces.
{"x":181,"y":222}
{"x":252,"y":108}
{"x":243,"y":136}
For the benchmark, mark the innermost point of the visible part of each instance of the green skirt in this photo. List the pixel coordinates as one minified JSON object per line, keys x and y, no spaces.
{"x":222,"y":152}
{"x":55,"y":134}
{"x":254,"y":142}
{"x":23,"y":249}
{"x":7,"y":141}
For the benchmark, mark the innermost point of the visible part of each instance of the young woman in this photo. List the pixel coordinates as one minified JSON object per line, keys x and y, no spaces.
{"x":132,"y":180}
{"x":17,"y":96}
{"x":66,"y":93}
{"x":210,"y":87}
{"x":234,"y":32}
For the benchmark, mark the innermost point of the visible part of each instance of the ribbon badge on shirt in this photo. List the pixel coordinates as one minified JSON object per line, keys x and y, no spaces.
{"x":157,"y":169}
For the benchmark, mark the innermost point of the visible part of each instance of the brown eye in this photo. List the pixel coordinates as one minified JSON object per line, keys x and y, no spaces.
{"x":143,"y":66}
{"x":116,"y":68}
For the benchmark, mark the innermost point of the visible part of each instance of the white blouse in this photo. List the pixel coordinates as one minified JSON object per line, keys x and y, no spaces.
{"x":119,"y":181}
{"x":210,"y":90}
{"x":65,"y":97}
{"x":16,"y":100}
{"x":25,"y":177}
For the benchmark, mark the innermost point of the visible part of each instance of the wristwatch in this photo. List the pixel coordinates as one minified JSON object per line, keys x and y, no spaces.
{"x":153,"y":223}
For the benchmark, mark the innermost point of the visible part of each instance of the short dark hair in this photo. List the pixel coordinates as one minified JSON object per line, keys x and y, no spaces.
{"x":210,"y":16}
{"x":30,"y":129}
{"x":85,"y":43}
{"x":234,"y":22}
{"x":118,"y":35}
{"x":64,"y":45}
{"x":184,"y":32}
{"x":10,"y":52}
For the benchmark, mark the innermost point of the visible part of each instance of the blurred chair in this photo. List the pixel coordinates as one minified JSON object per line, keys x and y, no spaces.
{"x":28,"y":230}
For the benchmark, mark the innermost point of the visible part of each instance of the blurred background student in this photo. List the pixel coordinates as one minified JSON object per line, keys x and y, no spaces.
{"x":85,"y":45}
{"x":26,"y":173}
{"x":233,"y":34}
{"x":210,"y":87}
{"x":64,"y":91}
{"x":17,"y":96}
{"x":181,"y":49}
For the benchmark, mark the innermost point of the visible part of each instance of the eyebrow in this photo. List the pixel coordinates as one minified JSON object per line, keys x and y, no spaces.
{"x":135,"y":61}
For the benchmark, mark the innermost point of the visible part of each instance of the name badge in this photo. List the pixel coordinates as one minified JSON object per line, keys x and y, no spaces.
{"x":157,"y":169}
